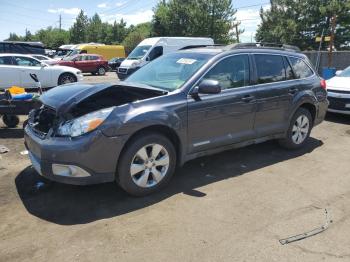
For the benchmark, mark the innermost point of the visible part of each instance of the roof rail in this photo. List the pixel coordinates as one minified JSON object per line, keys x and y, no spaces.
{"x":278,"y":46}
{"x":199,"y":46}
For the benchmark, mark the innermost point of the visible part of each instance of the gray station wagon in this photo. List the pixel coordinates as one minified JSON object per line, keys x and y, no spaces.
{"x":179,"y":107}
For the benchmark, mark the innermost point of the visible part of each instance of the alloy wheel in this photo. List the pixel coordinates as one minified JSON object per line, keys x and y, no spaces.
{"x":149,"y":165}
{"x":300,"y":129}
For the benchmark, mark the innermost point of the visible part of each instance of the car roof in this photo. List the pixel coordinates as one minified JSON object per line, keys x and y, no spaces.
{"x":15,"y":54}
{"x":225,"y":50}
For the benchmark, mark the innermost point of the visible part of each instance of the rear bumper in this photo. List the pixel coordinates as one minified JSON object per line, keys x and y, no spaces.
{"x":321,"y":112}
{"x":93,"y":155}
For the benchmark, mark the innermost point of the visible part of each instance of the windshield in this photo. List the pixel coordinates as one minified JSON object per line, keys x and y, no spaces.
{"x":345,"y":73}
{"x":73,"y":52}
{"x":139,"y":52}
{"x":171,"y":71}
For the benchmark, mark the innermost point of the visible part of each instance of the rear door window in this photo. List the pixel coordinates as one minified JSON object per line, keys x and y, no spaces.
{"x":301,"y":69}
{"x":232,"y":72}
{"x":289,"y":71}
{"x":26,"y":61}
{"x":270,"y":68}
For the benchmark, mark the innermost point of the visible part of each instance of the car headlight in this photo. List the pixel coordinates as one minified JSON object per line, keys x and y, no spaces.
{"x":135,"y":64}
{"x":84,"y":124}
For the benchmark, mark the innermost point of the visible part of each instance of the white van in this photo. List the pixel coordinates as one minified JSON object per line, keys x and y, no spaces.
{"x":152,"y":48}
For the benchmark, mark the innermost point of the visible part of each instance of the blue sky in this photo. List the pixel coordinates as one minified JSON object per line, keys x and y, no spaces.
{"x":16,"y":16}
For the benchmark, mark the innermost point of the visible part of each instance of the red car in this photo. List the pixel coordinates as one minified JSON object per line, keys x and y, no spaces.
{"x":87,"y":63}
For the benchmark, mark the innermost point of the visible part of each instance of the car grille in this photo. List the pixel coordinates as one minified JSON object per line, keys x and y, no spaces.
{"x":122,"y":70}
{"x":339,"y":103}
{"x":338,"y":91}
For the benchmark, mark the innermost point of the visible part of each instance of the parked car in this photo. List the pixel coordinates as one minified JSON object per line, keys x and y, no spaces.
{"x":339,"y":92}
{"x":45,"y":59}
{"x":15,"y":69}
{"x":115,"y":62}
{"x":179,"y":107}
{"x":22,"y":47}
{"x":91,"y":63}
{"x":152,"y":48}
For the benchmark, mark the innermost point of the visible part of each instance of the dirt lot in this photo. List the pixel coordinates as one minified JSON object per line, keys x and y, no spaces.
{"x":234,"y":206}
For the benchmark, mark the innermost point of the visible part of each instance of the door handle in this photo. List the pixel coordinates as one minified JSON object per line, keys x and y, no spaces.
{"x":247,"y":98}
{"x":293,"y":90}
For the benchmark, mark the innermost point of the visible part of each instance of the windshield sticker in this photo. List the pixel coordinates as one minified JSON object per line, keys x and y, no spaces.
{"x":186,"y":61}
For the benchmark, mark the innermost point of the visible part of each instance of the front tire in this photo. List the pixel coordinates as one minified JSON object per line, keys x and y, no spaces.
{"x":299,"y":130}
{"x":147,"y":164}
{"x":66,"y":78}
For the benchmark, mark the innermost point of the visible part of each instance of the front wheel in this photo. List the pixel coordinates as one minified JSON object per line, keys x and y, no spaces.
{"x":299,"y":130}
{"x":146,"y":165}
{"x":66,"y":78}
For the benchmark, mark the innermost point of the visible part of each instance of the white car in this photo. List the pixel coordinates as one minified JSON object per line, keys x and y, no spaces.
{"x":338,"y":89}
{"x":15,"y":70}
{"x":45,"y":59}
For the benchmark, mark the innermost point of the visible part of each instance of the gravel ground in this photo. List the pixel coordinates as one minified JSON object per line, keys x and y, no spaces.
{"x":233,"y":206}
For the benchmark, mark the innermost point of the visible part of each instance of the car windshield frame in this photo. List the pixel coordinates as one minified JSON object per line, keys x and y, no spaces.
{"x":345,"y":72}
{"x":188,"y":63}
{"x":136,"y":53}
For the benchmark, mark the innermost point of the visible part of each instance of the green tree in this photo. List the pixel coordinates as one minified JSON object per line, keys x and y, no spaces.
{"x":93,"y":32}
{"x":78,"y":32}
{"x":14,"y":37}
{"x":209,"y":18}
{"x":299,"y":22}
{"x":136,"y":35}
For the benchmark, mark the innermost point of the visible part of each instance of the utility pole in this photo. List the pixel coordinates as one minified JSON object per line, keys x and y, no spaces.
{"x":331,"y":43}
{"x":60,"y":22}
{"x":237,"y":31}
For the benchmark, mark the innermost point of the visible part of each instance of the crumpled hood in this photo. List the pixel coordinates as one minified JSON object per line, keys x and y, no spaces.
{"x":63,"y":98}
{"x":339,"y":83}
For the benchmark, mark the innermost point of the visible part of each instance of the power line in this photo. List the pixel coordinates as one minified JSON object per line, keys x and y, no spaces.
{"x":248,"y":6}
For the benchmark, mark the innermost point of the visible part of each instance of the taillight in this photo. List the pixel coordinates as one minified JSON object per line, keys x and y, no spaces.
{"x":323,"y":84}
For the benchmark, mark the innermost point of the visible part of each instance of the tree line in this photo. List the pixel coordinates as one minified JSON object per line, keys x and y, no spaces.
{"x":206,"y":18}
{"x":300,"y":22}
{"x":293,"y":22}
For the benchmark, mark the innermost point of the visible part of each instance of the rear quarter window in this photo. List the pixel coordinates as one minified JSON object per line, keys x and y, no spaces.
{"x":300,"y":68}
{"x":270,"y":68}
{"x":5,"y":60}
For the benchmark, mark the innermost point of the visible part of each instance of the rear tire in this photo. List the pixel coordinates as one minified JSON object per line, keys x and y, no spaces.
{"x":101,"y":71}
{"x":66,"y":78}
{"x":10,"y":121}
{"x":299,"y":130}
{"x":146,"y":165}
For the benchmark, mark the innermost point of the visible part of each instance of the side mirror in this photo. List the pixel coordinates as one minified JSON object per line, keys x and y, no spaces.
{"x":209,"y":86}
{"x":148,"y":59}
{"x":338,"y":72}
{"x":43,"y":65}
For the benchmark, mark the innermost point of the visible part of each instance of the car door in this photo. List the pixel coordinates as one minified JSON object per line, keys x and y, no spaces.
{"x":275,"y":90}
{"x":94,"y":62}
{"x":84,"y":63}
{"x":27,"y":66}
{"x":228,"y":117}
{"x":9,"y":73}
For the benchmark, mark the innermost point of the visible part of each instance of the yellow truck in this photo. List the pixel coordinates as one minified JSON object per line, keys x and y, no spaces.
{"x":107,"y":51}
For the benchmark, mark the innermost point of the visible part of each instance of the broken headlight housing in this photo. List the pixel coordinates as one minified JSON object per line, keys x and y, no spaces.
{"x":84,"y":124}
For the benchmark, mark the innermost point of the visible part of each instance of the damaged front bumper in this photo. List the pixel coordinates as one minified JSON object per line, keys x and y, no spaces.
{"x":88,"y":159}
